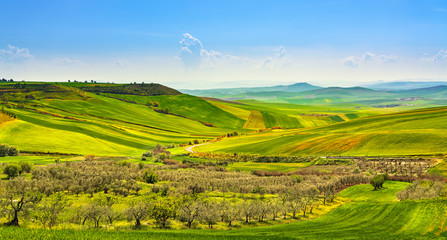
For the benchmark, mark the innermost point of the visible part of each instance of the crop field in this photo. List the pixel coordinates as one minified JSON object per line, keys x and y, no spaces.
{"x":255,"y":120}
{"x":421,"y":131}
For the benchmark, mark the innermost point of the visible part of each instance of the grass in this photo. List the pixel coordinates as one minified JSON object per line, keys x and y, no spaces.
{"x":415,"y":132}
{"x":370,"y":215}
{"x":255,"y":120}
{"x":98,"y":125}
{"x":191,"y":107}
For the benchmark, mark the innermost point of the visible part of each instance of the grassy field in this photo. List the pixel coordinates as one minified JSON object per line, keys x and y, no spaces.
{"x":85,"y":123}
{"x":255,"y":120}
{"x":191,"y":107}
{"x":370,"y":215}
{"x":422,"y":131}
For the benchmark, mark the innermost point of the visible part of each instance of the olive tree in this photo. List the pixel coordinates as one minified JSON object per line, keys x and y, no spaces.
{"x":18,"y":196}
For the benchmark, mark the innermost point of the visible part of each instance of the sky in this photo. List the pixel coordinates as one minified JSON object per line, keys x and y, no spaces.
{"x":207,"y":44}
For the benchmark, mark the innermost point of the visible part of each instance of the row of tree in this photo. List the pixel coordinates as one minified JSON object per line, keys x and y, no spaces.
{"x":6,"y":150}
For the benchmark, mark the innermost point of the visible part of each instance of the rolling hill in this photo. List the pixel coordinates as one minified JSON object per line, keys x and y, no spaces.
{"x":422,"y":131}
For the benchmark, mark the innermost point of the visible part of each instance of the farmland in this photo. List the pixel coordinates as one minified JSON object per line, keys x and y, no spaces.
{"x":114,"y":158}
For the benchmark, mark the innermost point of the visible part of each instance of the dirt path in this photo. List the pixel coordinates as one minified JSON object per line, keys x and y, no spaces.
{"x":189,"y":149}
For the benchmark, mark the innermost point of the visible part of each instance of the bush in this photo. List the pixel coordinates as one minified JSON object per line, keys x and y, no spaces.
{"x":150,"y":177}
{"x":378,"y":180}
{"x":12,"y":170}
{"x":6,"y":150}
{"x":26,"y":167}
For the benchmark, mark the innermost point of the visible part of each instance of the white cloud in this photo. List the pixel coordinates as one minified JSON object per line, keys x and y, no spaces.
{"x":355,"y":61}
{"x":438,"y":57}
{"x":280,"y":58}
{"x":65,"y":61}
{"x":194,"y":56}
{"x":190,"y":53}
{"x":15,"y":54}
{"x":121,"y":63}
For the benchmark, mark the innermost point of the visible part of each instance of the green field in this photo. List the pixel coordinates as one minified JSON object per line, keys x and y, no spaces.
{"x":422,"y":131}
{"x":370,"y":215}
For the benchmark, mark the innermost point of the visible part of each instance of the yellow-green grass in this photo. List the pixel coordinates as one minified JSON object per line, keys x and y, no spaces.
{"x":255,"y":121}
{"x":233,"y":109}
{"x":416,"y":132}
{"x":99,"y":125}
{"x":366,"y":192}
{"x":191,"y":107}
{"x":277,"y":167}
{"x":38,"y":160}
{"x":439,"y":169}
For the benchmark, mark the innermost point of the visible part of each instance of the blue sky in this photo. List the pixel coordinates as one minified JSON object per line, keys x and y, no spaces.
{"x":200,"y":44}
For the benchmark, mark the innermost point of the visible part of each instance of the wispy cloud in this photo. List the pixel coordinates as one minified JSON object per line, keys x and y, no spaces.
{"x":15,"y":54}
{"x":438,"y":57}
{"x":355,"y":61}
{"x":195,"y":56}
{"x":65,"y":61}
{"x":440,"y":9}
{"x":279,"y":59}
{"x":190,"y":52}
{"x":121,"y":63}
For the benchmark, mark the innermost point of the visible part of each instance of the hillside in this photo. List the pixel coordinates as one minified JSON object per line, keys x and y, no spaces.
{"x":65,"y":119}
{"x":422,"y":131}
{"x":233,"y":92}
{"x":404,"y":85}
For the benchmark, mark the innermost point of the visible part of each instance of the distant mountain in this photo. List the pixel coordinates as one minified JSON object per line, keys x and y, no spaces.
{"x":407,"y":85}
{"x":228,"y":92}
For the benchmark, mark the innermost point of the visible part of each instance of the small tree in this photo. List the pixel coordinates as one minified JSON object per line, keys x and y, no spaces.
{"x":137,"y":211}
{"x":189,"y":211}
{"x":12,"y":170}
{"x":49,"y":210}
{"x":17,"y":196}
{"x":25,"y":167}
{"x":150,"y":177}
{"x":163,"y":210}
{"x":377,"y":181}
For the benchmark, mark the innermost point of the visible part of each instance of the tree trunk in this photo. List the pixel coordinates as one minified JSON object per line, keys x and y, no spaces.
{"x":15,"y":220}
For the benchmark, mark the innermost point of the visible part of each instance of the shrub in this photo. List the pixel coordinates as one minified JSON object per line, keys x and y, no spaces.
{"x":6,"y":150}
{"x":150,"y":177}
{"x":378,"y":180}
{"x":12,"y":170}
{"x":26,"y":167}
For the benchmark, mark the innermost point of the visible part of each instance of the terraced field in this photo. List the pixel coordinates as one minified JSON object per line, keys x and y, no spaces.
{"x":255,"y":120}
{"x":370,"y":215}
{"x":422,"y":131}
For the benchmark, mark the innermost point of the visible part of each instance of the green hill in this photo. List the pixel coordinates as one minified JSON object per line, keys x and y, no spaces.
{"x":422,"y":131}
{"x":65,"y":119}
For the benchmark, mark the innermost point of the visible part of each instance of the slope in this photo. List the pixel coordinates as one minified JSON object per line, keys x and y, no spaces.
{"x":422,"y":131}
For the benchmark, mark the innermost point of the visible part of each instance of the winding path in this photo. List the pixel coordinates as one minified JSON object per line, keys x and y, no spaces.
{"x":189,"y":149}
